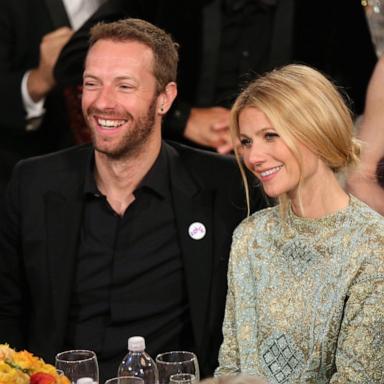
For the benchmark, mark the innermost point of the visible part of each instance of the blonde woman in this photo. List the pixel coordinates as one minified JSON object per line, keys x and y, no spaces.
{"x":305,"y":302}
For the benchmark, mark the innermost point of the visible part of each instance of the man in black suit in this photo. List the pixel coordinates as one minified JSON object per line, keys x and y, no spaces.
{"x":129,"y":236}
{"x":225,"y":43}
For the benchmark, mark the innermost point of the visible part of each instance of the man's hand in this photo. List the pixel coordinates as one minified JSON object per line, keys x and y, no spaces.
{"x":41,"y":79}
{"x":210,"y":127}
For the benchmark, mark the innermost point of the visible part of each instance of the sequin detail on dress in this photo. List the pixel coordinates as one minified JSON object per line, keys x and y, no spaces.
{"x":299,"y":254}
{"x":281,"y":358}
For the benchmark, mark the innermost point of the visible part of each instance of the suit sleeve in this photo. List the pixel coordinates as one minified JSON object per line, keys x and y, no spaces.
{"x":13,"y":289}
{"x":11,"y":105}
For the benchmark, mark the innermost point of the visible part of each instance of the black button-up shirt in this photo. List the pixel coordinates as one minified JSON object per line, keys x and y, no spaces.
{"x":129,"y":277}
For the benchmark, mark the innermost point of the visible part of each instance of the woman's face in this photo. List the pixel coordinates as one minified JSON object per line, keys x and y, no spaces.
{"x":268,"y":157}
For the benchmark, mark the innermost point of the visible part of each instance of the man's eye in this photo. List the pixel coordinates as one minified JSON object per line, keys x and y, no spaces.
{"x":126,"y":87}
{"x":89,"y":84}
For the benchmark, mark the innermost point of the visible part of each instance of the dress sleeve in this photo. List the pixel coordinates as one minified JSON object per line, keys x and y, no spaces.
{"x":229,"y":355}
{"x":360,"y":350}
{"x":229,"y":362}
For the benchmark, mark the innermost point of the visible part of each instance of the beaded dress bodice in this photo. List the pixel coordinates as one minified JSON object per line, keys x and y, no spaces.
{"x":305,"y":300}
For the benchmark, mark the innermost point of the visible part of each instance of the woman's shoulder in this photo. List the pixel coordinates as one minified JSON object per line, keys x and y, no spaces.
{"x":367,"y":240}
{"x":365,"y":217}
{"x":259,"y":220}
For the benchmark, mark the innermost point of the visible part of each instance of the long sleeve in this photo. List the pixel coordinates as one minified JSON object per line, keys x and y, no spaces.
{"x":229,"y":353}
{"x":360,"y":351}
{"x":240,"y":298}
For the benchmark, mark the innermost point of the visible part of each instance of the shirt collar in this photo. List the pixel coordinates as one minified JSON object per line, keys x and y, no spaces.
{"x":90,"y":187}
{"x":156,"y":179}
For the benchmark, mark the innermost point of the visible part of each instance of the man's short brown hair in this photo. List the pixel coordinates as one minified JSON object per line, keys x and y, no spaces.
{"x":163,"y":47}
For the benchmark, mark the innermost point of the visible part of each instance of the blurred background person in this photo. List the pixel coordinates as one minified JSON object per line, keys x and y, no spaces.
{"x":32,"y":34}
{"x":374,"y":10}
{"x":305,"y":278}
{"x":224,"y":43}
{"x":367,"y":180}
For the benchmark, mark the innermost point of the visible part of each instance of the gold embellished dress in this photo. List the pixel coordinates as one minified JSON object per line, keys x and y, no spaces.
{"x":305,"y":299}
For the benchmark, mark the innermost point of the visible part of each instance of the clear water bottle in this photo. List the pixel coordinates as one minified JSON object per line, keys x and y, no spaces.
{"x":138,"y":363}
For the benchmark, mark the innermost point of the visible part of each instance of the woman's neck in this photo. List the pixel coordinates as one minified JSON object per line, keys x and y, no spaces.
{"x":315,"y":200}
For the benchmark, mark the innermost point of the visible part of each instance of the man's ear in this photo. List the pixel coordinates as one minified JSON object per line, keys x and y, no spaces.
{"x":166,"y":98}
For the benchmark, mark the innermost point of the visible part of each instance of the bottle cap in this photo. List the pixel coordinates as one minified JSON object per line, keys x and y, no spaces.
{"x":136,"y":344}
{"x":85,"y":380}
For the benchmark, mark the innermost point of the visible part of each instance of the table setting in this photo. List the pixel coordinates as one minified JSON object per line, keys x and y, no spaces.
{"x":81,"y":367}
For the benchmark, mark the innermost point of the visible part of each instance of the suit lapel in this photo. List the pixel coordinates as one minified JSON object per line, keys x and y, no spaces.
{"x":192,"y":205}
{"x":63,"y":214}
{"x":57,"y":13}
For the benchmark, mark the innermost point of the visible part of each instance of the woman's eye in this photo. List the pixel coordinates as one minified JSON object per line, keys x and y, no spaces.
{"x":245,"y":142}
{"x":269,"y":136}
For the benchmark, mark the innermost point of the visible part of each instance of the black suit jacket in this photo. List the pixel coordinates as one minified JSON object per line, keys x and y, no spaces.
{"x":39,"y":239}
{"x":23,"y":23}
{"x":332,"y":38}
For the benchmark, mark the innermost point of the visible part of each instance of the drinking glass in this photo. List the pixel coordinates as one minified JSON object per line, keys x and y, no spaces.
{"x":125,"y":380}
{"x":176,"y":362}
{"x":182,"y":378}
{"x":78,"y":365}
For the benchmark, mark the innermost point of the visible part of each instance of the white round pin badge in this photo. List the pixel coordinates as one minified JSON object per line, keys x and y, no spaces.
{"x":197,"y":230}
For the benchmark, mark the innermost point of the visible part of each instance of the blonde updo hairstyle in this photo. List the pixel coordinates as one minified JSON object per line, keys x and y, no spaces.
{"x":302,"y":106}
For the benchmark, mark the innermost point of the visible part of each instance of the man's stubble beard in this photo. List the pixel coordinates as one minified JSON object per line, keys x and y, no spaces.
{"x":134,"y":139}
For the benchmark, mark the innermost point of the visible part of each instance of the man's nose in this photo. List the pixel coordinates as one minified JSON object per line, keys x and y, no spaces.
{"x":105,"y":98}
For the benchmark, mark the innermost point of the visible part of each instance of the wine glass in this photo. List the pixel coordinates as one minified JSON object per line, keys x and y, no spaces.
{"x":125,"y":380}
{"x":182,"y":378}
{"x":176,"y":362}
{"x":79,"y":365}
